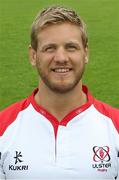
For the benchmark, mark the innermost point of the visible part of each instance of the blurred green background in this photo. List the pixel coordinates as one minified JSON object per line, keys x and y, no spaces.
{"x":18,"y":78}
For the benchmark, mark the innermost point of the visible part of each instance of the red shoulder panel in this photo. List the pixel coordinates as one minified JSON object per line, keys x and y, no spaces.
{"x":108,"y":111}
{"x":8,"y":115}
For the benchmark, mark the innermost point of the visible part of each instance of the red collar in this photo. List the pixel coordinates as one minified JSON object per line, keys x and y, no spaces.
{"x":69,"y":116}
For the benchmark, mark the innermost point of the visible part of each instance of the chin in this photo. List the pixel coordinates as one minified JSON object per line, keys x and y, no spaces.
{"x":62,"y":89}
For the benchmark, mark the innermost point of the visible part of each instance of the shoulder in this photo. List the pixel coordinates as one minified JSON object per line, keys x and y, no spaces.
{"x":109,"y":111}
{"x":8,"y":115}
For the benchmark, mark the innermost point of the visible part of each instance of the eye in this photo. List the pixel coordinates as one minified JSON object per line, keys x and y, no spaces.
{"x":50,"y":49}
{"x":71,"y":47}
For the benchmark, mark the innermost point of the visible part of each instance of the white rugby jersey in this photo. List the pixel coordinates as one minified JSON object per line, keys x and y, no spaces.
{"x":35,"y":145}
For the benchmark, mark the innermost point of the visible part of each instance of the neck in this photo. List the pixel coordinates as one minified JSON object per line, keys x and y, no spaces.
{"x":60,"y":105}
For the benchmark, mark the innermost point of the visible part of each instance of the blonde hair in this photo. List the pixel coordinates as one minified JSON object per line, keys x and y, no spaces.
{"x":56,"y":15}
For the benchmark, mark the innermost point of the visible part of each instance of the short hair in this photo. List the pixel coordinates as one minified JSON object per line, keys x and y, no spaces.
{"x":56,"y":15}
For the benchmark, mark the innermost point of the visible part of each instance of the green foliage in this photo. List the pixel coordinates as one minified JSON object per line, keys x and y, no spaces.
{"x":18,"y":79}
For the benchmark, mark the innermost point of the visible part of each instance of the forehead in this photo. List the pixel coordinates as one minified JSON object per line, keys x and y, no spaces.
{"x":60,"y":33}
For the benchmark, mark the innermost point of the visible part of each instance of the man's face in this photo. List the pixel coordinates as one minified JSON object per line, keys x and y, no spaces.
{"x":60,"y":57}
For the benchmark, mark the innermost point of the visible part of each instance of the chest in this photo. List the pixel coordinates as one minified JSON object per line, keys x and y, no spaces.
{"x":77,"y":150}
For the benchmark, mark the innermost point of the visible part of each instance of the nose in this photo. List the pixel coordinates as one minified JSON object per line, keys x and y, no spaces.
{"x":61,"y":55}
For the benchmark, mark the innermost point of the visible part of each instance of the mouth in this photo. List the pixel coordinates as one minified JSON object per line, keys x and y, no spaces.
{"x":61,"y":70}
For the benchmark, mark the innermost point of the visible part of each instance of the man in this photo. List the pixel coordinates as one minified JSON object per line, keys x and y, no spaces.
{"x":61,"y":131}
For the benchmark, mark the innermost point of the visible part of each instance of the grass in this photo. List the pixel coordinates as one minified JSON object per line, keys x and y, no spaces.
{"x":18,"y":79}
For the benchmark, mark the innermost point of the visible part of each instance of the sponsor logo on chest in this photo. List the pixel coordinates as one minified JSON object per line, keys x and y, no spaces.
{"x":17,"y":164}
{"x":101,"y":157}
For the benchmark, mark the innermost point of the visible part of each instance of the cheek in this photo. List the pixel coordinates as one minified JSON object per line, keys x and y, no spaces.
{"x":78,"y":58}
{"x":44,"y":59}
{"x":42,"y":66}
{"x":39,"y":60}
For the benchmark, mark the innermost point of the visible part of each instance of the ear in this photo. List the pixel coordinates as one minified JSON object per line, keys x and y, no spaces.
{"x":86,"y":60}
{"x":86,"y":55}
{"x":32,"y":56}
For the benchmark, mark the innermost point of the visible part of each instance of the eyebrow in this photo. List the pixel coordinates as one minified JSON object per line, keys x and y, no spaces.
{"x":73,"y":43}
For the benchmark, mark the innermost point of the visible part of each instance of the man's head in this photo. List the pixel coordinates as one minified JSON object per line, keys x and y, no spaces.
{"x":59,"y":49}
{"x":56,"y":15}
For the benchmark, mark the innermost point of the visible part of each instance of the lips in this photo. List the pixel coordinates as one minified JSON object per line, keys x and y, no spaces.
{"x":61,"y":70}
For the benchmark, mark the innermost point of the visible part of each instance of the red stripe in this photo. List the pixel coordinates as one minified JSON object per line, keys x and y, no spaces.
{"x":108,"y":111}
{"x":8,"y":116}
